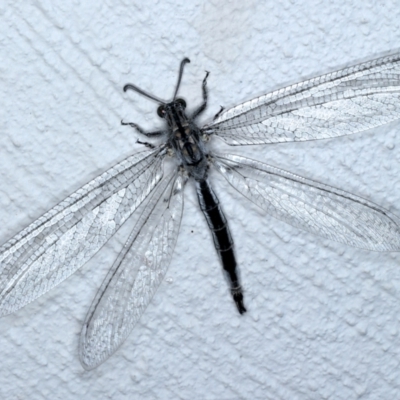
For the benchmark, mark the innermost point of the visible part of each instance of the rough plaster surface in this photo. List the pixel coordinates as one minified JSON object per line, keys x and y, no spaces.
{"x":323,"y":318}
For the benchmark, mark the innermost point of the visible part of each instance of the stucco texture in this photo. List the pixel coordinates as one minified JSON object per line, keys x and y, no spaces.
{"x":323,"y":318}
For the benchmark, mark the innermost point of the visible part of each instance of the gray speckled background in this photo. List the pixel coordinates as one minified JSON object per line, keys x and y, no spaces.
{"x":323,"y":320}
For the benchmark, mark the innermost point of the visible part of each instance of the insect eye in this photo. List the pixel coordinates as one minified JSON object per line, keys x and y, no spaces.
{"x":181,"y":102}
{"x":161,"y":111}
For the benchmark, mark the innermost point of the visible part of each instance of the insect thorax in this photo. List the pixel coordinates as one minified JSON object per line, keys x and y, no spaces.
{"x":185,"y":140}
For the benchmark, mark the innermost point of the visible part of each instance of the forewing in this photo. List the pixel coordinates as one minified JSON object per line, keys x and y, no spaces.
{"x":135,"y":276}
{"x":54,"y":246}
{"x":312,"y":206}
{"x":340,"y":103}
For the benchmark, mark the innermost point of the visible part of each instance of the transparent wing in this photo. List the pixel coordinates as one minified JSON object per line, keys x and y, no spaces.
{"x":66,"y":237}
{"x":340,"y":103}
{"x":312,"y":206}
{"x":135,"y":275}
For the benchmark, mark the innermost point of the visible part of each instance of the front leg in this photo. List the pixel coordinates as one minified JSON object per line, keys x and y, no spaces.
{"x":141,"y":131}
{"x":218,"y":113}
{"x":205,"y":95}
{"x":147,"y":144}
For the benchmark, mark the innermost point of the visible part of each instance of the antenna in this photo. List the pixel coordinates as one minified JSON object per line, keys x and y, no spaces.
{"x":183,"y":62}
{"x":143,"y":93}
{"x":130,"y":86}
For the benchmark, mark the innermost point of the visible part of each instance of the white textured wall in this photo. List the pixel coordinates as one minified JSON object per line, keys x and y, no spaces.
{"x":322,"y":319}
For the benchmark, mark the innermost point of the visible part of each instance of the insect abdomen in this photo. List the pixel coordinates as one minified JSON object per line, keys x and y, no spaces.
{"x":223,"y":242}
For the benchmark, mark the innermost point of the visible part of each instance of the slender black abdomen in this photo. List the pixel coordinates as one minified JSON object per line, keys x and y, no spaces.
{"x":223,"y":242}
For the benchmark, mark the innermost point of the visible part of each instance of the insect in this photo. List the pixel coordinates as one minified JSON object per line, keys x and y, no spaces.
{"x":66,"y":237}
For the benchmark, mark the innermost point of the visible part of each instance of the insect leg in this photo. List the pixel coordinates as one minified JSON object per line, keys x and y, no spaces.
{"x":205,"y":95}
{"x":218,"y":113}
{"x":147,"y":144}
{"x":143,"y":132}
{"x":223,"y":242}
